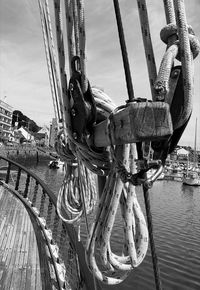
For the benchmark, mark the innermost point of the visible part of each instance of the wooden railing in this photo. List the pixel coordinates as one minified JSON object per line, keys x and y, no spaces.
{"x":65,"y":248}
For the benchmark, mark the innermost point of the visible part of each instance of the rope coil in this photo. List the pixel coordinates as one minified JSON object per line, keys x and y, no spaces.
{"x":77,"y":194}
{"x":136,"y":234}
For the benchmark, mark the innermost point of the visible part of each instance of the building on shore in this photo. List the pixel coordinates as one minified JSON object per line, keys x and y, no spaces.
{"x":42,"y":137}
{"x":6,"y":112}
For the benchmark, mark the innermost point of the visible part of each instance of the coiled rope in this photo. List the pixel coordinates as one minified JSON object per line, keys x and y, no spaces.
{"x":77,"y":194}
{"x":116,"y":268}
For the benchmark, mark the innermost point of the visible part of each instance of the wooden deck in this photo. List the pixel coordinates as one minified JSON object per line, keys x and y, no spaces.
{"x":20,"y":265}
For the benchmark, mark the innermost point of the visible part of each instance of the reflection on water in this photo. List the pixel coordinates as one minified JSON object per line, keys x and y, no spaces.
{"x":52,"y":177}
{"x":176,"y":218}
{"x":188,"y":190}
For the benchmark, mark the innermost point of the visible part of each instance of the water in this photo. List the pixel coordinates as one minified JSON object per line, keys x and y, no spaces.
{"x":176,"y":219}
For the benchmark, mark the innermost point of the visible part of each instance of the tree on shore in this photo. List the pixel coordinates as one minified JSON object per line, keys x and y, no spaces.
{"x":23,"y":121}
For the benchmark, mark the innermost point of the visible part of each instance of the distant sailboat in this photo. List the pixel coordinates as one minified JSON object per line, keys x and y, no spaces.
{"x":192,"y":177}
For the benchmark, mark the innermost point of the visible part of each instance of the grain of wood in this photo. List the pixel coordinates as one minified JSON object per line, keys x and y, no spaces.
{"x":19,"y":257}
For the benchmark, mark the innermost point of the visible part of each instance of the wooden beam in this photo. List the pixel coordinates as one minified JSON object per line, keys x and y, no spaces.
{"x":136,"y":122}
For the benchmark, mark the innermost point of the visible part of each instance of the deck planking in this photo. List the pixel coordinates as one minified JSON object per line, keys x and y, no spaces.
{"x":20,"y":262}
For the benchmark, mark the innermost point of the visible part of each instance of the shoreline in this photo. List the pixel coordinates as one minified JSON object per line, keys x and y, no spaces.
{"x":23,"y":154}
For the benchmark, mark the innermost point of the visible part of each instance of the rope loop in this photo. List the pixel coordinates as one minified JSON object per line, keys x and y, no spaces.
{"x":171,"y":29}
{"x":77,"y":195}
{"x":111,"y":268}
{"x":63,"y":149}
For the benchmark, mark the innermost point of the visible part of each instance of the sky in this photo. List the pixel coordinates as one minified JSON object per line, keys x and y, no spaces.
{"x":24,"y":81}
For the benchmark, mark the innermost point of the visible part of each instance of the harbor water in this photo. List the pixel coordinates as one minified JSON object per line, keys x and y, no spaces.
{"x":176,"y":225}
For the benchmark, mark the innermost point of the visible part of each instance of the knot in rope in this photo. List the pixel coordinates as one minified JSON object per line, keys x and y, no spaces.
{"x":171,"y":30}
{"x":96,"y":159}
{"x":63,"y":149}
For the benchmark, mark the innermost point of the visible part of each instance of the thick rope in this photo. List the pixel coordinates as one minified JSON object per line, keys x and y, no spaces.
{"x":116,"y":268}
{"x":179,"y":45}
{"x":68,"y":6}
{"x":186,"y":57}
{"x":162,"y":82}
{"x":82,"y":39}
{"x":149,"y":53}
{"x":169,"y":11}
{"x":75,"y":21}
{"x":63,"y":76}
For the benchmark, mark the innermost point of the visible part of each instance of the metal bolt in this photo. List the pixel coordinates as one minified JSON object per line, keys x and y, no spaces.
{"x":160,"y":98}
{"x":175,"y":74}
{"x":71,"y":87}
{"x":73,"y":112}
{"x":75,"y":135}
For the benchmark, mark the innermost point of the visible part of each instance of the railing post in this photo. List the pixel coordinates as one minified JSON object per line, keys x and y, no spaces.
{"x":18,"y":178}
{"x":27,"y":186}
{"x":8,"y":172}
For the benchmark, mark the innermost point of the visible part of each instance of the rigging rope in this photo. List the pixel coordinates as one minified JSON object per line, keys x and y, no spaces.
{"x":63,"y":76}
{"x":51,"y":60}
{"x":146,"y":36}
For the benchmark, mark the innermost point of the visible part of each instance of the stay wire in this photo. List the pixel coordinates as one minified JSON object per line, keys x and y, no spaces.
{"x":127,"y":71}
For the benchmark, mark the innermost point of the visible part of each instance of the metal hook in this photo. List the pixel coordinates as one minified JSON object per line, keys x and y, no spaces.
{"x":75,"y":64}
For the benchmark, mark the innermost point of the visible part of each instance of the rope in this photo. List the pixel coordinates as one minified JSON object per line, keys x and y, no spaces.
{"x":116,"y":268}
{"x":77,"y":195}
{"x":169,"y":11}
{"x":82,"y":39}
{"x":181,"y":41}
{"x":63,"y":77}
{"x":75,"y":21}
{"x":146,"y":35}
{"x":69,"y":27}
{"x":186,"y":57}
{"x":162,"y":82}
{"x":51,"y":60}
